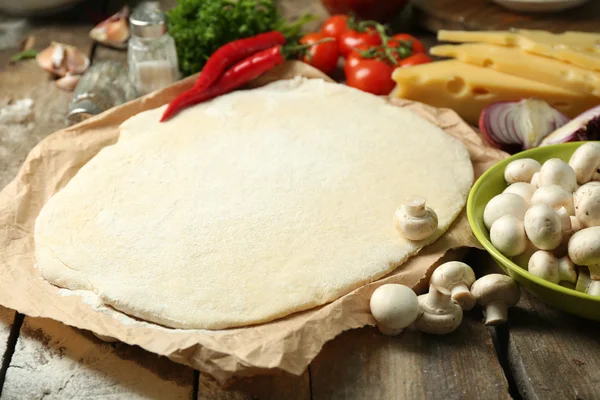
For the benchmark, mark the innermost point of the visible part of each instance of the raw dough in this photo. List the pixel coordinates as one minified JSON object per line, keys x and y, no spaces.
{"x":250,"y":207}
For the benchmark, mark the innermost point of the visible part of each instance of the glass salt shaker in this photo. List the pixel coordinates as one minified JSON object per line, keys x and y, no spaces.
{"x":151,"y":52}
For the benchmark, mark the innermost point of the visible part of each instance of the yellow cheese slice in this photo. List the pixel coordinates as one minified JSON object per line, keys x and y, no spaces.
{"x":514,"y":61}
{"x":468,"y":89}
{"x":578,"y":48}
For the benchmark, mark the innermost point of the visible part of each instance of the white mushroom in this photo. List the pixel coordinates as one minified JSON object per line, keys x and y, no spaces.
{"x":535,"y":179}
{"x":523,"y":189}
{"x":543,"y":227}
{"x":557,"y":172}
{"x":496,"y":292}
{"x":584,"y":249}
{"x":521,"y":170}
{"x":457,"y":277}
{"x":504,"y":204}
{"x":569,"y":225}
{"x":440,"y":314}
{"x":586,"y":285}
{"x":555,"y":196}
{"x":522,"y":259}
{"x":587,"y":204}
{"x":585,"y":161}
{"x":394,"y":307}
{"x":414,"y":220}
{"x":546,"y":266}
{"x":507,"y":234}
{"x":566,"y":270}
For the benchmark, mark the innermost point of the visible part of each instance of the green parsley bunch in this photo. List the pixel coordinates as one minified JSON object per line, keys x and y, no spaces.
{"x":200,"y":27}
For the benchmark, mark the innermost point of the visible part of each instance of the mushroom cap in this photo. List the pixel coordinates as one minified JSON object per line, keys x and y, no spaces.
{"x":555,"y":196}
{"x":535,"y":179}
{"x":521,"y":170}
{"x":394,"y":306}
{"x":543,"y":227}
{"x":496,"y":287}
{"x":584,"y":246}
{"x":587,"y":204}
{"x":507,"y":234}
{"x":452,"y":273}
{"x":585,"y":161}
{"x":414,"y":221}
{"x":543,"y":264}
{"x":503,"y":204}
{"x":557,"y":172}
{"x":523,"y":189}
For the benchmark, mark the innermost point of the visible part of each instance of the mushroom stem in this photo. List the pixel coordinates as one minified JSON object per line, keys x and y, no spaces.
{"x":439,"y":298}
{"x":594,"y":272}
{"x":460,"y":292}
{"x":594,"y":288}
{"x":415,"y":207}
{"x":496,"y":313}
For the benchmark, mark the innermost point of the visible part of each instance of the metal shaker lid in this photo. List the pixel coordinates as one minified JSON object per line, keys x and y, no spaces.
{"x":148,"y":21}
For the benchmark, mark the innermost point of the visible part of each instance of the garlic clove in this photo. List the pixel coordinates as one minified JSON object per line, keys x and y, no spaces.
{"x":68,"y":82}
{"x":114,"y":31}
{"x":61,"y":59}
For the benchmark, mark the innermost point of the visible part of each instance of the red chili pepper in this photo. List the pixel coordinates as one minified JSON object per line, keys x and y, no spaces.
{"x":233,"y":52}
{"x":238,"y":75}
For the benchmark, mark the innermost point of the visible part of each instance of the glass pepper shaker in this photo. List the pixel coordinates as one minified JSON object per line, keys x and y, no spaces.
{"x":151,"y":52}
{"x":104,"y":85}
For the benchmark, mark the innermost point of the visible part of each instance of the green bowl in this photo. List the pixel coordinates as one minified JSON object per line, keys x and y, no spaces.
{"x":492,"y":183}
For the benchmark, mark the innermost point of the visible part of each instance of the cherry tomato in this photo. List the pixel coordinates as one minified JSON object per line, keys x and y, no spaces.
{"x":417,"y":46}
{"x":351,"y":39}
{"x":354,"y":57}
{"x":416,"y":59}
{"x":335,"y":25}
{"x":372,"y":76}
{"x":323,"y":56}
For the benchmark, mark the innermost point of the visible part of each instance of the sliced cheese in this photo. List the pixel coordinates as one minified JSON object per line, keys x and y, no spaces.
{"x":578,"y":48}
{"x":468,"y":89}
{"x":514,"y":61}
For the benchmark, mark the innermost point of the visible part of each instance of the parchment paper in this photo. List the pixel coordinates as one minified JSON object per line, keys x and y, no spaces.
{"x":287,"y":344}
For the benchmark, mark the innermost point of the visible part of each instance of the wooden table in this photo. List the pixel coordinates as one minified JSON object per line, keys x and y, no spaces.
{"x":541,"y":354}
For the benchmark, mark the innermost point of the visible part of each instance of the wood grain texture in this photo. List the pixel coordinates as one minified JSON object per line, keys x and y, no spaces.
{"x":26,"y":80}
{"x":7,"y":318}
{"x":485,"y":15}
{"x":362,"y":364}
{"x":275,"y":387}
{"x":54,"y":361}
{"x":553,"y":355}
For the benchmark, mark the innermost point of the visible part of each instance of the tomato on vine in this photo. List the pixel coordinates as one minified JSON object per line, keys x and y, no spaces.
{"x":372,"y":76}
{"x":324,"y":55}
{"x":335,"y":25}
{"x":351,"y":39}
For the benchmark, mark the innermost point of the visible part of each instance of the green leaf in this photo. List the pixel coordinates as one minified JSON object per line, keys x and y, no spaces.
{"x":23,"y":55}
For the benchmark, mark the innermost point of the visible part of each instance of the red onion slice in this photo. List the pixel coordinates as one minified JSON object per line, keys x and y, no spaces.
{"x":521,"y":124}
{"x":585,"y":126}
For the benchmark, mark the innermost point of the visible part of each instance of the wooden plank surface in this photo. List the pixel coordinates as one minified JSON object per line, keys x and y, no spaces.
{"x":553,"y":355}
{"x":485,"y":15}
{"x":275,"y":387}
{"x":55,"y":361}
{"x":26,"y":80}
{"x":362,"y":364}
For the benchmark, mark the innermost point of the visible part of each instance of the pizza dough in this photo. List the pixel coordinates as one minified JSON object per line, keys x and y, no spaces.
{"x":250,"y":207}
